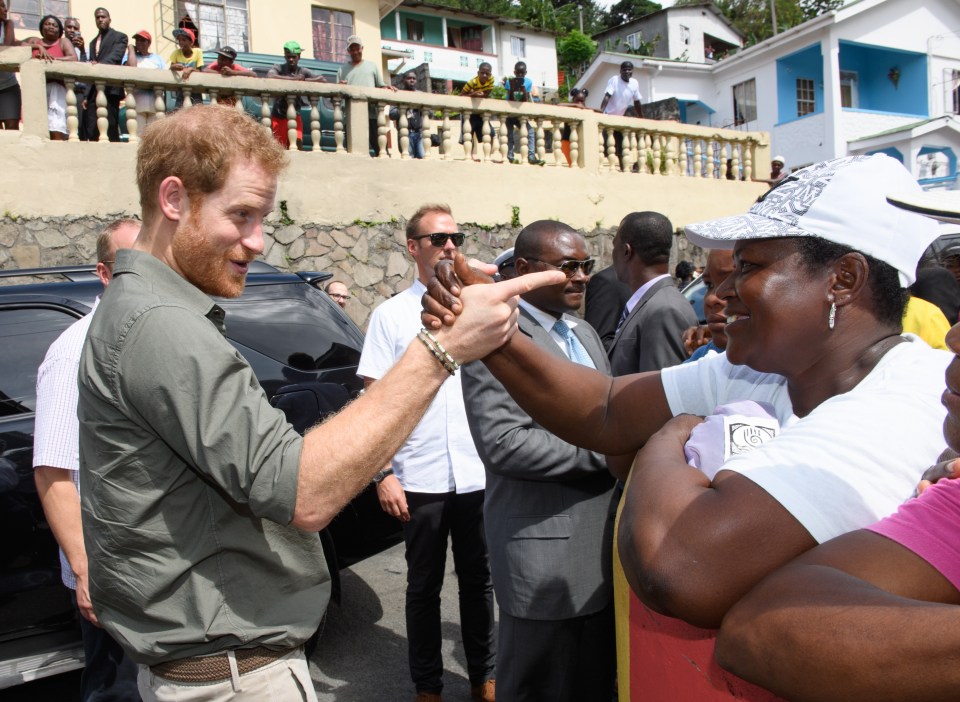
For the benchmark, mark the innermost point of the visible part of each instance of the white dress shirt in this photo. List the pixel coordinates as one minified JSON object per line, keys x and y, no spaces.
{"x":641,"y":291}
{"x":439,"y":456}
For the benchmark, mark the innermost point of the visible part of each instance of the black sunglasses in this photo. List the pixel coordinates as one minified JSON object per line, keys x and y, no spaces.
{"x":568,"y":266}
{"x":440,"y":239}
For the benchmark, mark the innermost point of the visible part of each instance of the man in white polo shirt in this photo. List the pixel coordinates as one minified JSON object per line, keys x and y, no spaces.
{"x":435,"y":483}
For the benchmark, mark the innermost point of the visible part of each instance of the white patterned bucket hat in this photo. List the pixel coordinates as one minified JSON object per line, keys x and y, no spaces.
{"x":843,"y":201}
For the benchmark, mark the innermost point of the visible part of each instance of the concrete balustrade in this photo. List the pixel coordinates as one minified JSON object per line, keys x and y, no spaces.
{"x":650,"y":147}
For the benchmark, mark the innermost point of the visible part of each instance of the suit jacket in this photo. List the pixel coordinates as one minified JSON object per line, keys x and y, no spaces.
{"x":606,"y":296}
{"x":107,"y":49}
{"x":549,"y":506}
{"x":650,"y":338}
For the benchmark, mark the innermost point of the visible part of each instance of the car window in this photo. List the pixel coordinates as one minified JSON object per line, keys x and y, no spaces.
{"x":25,"y":335}
{"x":292,"y":332}
{"x":695,"y":292}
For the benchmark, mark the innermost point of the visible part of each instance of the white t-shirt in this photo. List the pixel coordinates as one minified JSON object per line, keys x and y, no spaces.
{"x":146,"y":101}
{"x":439,"y":456}
{"x":622,"y":95}
{"x":852,"y":460}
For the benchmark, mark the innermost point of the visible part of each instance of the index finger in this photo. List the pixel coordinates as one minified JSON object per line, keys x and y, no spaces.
{"x":512,"y":287}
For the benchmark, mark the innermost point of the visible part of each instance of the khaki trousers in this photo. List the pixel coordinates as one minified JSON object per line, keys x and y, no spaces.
{"x":285,"y":680}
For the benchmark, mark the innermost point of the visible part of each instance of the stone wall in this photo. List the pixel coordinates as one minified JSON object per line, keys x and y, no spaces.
{"x":370,"y":257}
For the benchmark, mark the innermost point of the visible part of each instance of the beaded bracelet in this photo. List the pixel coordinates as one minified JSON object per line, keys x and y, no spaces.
{"x":440,"y":353}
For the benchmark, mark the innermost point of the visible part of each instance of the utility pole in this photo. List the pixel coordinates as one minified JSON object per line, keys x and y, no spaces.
{"x":580,"y":10}
{"x":773,"y":15}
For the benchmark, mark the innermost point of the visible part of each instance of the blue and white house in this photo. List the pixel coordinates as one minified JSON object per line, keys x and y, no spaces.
{"x":874,"y":75}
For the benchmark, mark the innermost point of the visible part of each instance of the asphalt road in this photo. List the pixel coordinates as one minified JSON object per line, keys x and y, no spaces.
{"x":362,"y":654}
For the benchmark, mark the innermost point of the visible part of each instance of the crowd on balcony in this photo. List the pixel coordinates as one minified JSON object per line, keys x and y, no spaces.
{"x":63,"y":40}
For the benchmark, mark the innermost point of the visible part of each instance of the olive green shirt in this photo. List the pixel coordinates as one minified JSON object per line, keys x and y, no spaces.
{"x":366,"y":74}
{"x":188,"y":480}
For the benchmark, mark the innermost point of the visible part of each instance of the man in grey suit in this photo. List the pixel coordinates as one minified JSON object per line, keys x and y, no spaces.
{"x":606,"y":296}
{"x":652,"y":322}
{"x":549,"y":507}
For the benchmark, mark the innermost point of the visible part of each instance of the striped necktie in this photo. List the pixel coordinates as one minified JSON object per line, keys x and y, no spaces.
{"x":623,"y":317}
{"x":575,"y":350}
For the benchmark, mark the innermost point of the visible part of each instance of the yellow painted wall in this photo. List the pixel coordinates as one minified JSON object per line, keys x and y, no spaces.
{"x":337,"y":189}
{"x":272,"y":23}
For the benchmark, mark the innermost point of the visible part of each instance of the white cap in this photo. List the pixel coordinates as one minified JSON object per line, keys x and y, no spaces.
{"x":843,"y":201}
{"x":943,"y":205}
{"x":781,"y":159}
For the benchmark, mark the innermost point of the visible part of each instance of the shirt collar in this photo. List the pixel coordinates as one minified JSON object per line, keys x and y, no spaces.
{"x":167,"y":283}
{"x":642,"y":290}
{"x":545,"y":319}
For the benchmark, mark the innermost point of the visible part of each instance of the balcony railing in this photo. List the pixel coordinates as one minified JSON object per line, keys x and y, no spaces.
{"x":337,"y":121}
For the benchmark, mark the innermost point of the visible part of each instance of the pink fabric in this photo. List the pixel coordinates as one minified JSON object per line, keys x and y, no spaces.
{"x":929,"y":526}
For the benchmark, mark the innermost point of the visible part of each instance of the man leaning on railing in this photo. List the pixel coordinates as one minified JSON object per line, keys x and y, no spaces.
{"x":290,"y":69}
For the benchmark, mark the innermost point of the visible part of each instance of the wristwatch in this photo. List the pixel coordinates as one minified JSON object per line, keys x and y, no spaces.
{"x":378,"y":478}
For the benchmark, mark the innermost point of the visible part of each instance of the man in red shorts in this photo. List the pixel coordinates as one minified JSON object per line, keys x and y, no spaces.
{"x":290,"y":69}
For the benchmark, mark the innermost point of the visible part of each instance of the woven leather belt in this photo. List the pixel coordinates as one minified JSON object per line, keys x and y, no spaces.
{"x":209,"y":669}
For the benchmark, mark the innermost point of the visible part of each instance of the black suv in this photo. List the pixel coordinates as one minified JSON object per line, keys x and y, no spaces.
{"x":304,"y":351}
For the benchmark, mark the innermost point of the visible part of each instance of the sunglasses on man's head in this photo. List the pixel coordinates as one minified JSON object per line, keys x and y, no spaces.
{"x":569,"y":266}
{"x":440,"y":239}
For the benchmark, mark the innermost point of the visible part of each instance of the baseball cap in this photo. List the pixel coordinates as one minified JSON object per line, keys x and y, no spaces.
{"x":943,"y":206}
{"x":183,"y":31}
{"x":843,"y":201}
{"x":145,"y":34}
{"x":354,"y":39}
{"x":781,"y":159}
{"x":293,"y":47}
{"x":227,"y":51}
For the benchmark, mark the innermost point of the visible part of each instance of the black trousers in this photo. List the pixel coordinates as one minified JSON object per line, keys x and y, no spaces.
{"x":434,"y":518}
{"x":374,"y":135}
{"x":564,"y":660}
{"x":89,"y":130}
{"x":618,"y":145}
{"x":109,"y":675}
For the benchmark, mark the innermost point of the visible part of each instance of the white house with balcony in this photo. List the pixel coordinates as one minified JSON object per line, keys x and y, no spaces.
{"x":696,"y":32}
{"x":874,"y":75}
{"x":455,"y":42}
{"x":686,"y":41}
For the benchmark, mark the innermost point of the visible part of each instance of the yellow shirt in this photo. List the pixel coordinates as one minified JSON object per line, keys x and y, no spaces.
{"x":926,"y":320}
{"x":195,"y":60}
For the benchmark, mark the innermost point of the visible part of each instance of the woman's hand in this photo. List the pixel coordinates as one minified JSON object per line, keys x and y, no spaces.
{"x":944,"y":470}
{"x":695,"y":337}
{"x":679,"y":428}
{"x":41,"y":53}
{"x":441,"y":303}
